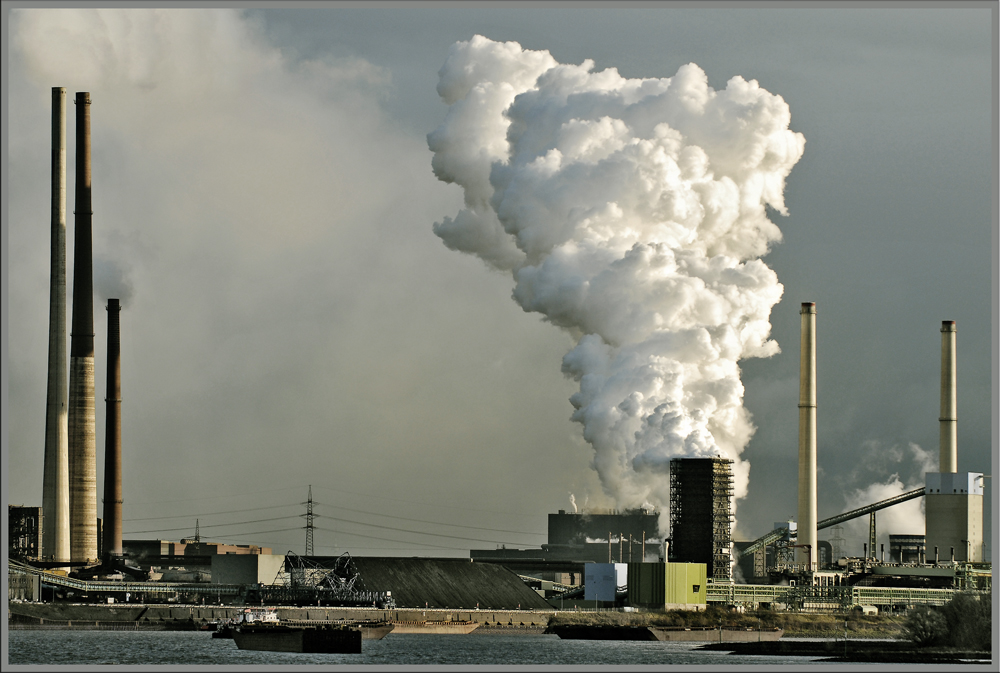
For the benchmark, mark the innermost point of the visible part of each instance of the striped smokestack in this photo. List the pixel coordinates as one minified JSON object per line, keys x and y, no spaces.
{"x":949,"y":399}
{"x":55,"y":480}
{"x":113,"y":438}
{"x":807,"y":439}
{"x":81,"y":422}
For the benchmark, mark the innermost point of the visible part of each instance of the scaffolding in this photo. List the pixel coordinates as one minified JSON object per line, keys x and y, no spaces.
{"x":701,"y":492}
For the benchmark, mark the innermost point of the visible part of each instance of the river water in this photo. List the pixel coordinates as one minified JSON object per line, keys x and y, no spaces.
{"x":197,"y":648}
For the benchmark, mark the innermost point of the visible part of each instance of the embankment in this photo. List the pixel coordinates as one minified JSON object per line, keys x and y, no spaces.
{"x":178,"y":617}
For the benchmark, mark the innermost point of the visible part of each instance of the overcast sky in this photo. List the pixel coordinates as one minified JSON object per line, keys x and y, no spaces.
{"x":264,"y":206}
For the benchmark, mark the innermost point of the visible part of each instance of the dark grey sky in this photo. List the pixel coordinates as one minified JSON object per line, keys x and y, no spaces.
{"x":263,"y":181}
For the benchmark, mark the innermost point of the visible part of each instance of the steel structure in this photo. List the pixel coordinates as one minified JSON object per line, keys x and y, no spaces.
{"x":302,"y":581}
{"x":825,"y":597}
{"x":776,"y":534}
{"x":701,"y":491}
{"x":89,"y":586}
{"x":309,"y":523}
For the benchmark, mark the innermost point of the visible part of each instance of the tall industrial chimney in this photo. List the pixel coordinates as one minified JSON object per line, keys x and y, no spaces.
{"x":113,"y":439}
{"x":55,"y":479}
{"x":949,"y":399}
{"x":807,"y":438}
{"x":82,"y":421}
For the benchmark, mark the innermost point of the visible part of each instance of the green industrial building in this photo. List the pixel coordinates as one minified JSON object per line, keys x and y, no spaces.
{"x":668,"y":586}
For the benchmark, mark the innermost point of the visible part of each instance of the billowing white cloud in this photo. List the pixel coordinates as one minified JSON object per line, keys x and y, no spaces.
{"x":632,"y":213}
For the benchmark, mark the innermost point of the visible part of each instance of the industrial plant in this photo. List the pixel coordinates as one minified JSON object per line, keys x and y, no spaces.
{"x":639,"y":559}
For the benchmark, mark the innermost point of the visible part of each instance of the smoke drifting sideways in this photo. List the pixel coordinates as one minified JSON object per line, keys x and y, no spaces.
{"x":113,"y":278}
{"x":633,"y":214}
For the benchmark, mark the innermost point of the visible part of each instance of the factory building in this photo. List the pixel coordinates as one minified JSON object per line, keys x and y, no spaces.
{"x":953,"y":499}
{"x":668,"y":586}
{"x":24,"y":532}
{"x":907,"y":548}
{"x":607,"y":537}
{"x":954,"y":515}
{"x":578,"y":538}
{"x":701,"y":492}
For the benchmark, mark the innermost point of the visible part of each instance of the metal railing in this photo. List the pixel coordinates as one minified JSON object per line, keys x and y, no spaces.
{"x":845,"y":596}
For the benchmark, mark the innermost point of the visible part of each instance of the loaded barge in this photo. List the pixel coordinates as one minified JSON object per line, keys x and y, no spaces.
{"x":264,"y":632}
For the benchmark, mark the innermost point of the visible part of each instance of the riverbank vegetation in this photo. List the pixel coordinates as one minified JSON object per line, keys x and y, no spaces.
{"x":965,"y":622}
{"x":795,"y":624}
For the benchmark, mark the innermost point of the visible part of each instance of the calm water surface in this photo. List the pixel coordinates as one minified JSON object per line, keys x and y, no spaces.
{"x":130,"y":648}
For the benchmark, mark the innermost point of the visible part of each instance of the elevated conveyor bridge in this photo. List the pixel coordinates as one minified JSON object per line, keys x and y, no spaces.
{"x":778,"y":533}
{"x":114,"y":586}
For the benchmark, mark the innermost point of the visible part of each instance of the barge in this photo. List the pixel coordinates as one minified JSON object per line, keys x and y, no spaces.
{"x":663,"y":633}
{"x":271,"y":637}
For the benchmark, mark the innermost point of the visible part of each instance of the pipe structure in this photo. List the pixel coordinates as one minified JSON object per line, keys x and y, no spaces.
{"x":112,"y":533}
{"x":807,"y":535}
{"x":81,"y":419}
{"x":55,"y":471}
{"x":949,"y":399}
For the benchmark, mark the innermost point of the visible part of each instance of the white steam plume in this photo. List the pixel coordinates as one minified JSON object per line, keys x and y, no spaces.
{"x":633,"y":214}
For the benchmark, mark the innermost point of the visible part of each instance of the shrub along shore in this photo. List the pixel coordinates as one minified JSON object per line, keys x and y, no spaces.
{"x":794,"y":624}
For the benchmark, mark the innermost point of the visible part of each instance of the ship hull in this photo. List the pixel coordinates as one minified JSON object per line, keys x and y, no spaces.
{"x":308,"y":640}
{"x":583,"y":632}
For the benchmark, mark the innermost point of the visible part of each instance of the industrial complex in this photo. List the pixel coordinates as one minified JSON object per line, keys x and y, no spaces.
{"x":684,"y":558}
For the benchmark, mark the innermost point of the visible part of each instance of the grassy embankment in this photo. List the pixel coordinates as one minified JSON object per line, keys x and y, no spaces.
{"x":795,"y":624}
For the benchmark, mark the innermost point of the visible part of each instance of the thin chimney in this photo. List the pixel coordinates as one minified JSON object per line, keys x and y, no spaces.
{"x":55,"y":479}
{"x":113,"y":438}
{"x":807,"y":534}
{"x":949,"y":399}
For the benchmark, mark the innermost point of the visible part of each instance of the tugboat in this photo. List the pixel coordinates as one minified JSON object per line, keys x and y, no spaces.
{"x":267,"y":633}
{"x":225,"y":629}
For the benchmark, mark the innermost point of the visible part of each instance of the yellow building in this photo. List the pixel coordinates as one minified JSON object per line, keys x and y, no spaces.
{"x":668,"y":586}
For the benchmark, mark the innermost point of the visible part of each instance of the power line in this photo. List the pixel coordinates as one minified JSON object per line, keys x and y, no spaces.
{"x":410,"y":502}
{"x":436,"y":523}
{"x":417,"y":532}
{"x":255,"y":492}
{"x":216,"y":525}
{"x":201,"y":514}
{"x":389,"y":539}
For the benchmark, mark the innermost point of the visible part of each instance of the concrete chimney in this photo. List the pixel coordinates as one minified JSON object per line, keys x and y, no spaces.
{"x":949,"y":399}
{"x":113,"y":438}
{"x":82,"y":420}
{"x":807,"y":534}
{"x":55,"y":479}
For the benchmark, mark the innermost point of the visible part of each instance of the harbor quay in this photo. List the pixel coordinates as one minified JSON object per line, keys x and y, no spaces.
{"x":180,"y":617}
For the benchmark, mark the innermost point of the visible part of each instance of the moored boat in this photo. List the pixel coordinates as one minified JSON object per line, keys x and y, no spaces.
{"x":374,"y":630}
{"x":325,"y":639}
{"x":662,"y":633}
{"x":435,"y":627}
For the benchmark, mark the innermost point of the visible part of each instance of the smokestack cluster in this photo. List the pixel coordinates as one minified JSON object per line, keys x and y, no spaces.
{"x":69,"y":489}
